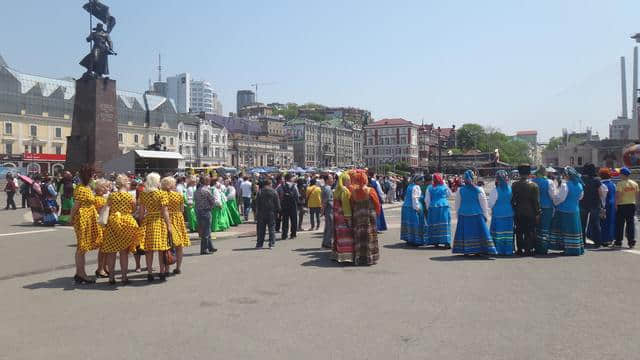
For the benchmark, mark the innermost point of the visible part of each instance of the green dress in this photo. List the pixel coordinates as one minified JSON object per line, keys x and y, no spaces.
{"x":219,"y":214}
{"x":232,"y":207}
{"x":190,"y":215}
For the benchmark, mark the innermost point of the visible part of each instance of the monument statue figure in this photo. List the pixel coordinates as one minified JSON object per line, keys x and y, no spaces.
{"x":97,"y":61}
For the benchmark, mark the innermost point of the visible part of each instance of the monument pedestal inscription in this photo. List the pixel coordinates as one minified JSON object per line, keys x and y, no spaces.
{"x":94,"y":130}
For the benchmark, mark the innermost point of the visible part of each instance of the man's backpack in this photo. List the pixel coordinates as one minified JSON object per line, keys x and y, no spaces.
{"x":289,"y":200}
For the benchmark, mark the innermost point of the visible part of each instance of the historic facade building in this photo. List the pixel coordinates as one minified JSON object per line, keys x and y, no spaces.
{"x":36,"y":112}
{"x":324,"y":144}
{"x":390,"y":141}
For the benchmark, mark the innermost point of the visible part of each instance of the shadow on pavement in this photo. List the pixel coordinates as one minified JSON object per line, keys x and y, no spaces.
{"x":252,"y":248}
{"x":66,"y":283}
{"x":307,"y":249}
{"x":320,"y":259}
{"x":404,"y":246}
{"x":461,"y":258}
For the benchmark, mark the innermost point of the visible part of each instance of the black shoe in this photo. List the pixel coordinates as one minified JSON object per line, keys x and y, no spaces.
{"x":284,"y":238}
{"x":177,"y":272}
{"x":125,"y":282}
{"x":150,"y":278}
{"x":271,"y":246}
{"x":631,"y":246}
{"x":259,"y":246}
{"x":293,"y":237}
{"x":213,"y":250}
{"x":163,"y":277}
{"x":112,"y":281}
{"x":447,"y":247}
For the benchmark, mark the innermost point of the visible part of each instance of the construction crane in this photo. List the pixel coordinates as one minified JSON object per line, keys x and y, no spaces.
{"x":256,"y":85}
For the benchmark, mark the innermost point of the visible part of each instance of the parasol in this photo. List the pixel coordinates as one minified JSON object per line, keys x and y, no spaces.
{"x":26,"y":179}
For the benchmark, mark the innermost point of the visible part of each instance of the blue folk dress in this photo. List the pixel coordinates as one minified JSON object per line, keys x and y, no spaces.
{"x":502,"y":222}
{"x":472,"y":234}
{"x":546,"y":204}
{"x":412,"y":223}
{"x":566,"y":229}
{"x":439,"y":216}
{"x":381,"y":223}
{"x":608,"y":224}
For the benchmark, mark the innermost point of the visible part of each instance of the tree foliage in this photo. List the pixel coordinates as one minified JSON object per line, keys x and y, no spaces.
{"x":474,"y":136}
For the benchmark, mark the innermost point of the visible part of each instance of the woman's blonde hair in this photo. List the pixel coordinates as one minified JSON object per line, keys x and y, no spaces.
{"x":168,"y":183}
{"x":152,"y":183}
{"x":103,"y":185}
{"x":122,"y":181}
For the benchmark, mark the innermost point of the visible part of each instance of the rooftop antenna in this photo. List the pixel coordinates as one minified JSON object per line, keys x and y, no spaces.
{"x":159,"y":67}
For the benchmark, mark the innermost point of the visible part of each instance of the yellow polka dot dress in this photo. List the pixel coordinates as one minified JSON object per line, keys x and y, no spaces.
{"x":176,"y":204}
{"x":155,"y":229}
{"x":122,"y":231}
{"x":85,"y":222}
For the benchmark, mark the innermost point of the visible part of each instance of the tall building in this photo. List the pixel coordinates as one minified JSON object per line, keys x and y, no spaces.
{"x":244,"y":98}
{"x":189,"y":95}
{"x":390,"y":141}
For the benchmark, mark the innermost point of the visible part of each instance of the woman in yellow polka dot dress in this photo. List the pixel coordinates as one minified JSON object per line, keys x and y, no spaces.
{"x":102,"y":189}
{"x":122,"y":231}
{"x":156,"y":223}
{"x":84,"y":218}
{"x":176,"y":210}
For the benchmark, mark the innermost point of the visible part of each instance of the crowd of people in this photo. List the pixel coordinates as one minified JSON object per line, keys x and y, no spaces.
{"x":533,"y":215}
{"x":125,"y":215}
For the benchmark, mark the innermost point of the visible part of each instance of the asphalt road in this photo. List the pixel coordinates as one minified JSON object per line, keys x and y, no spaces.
{"x":292,"y":302}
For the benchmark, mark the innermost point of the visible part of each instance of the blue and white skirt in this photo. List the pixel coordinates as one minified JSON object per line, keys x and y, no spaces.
{"x":472,"y":236}
{"x":502,"y":234}
{"x":413,"y":227}
{"x":566,"y":233}
{"x":439,"y":226}
{"x":542,"y":231}
{"x":381,"y":223}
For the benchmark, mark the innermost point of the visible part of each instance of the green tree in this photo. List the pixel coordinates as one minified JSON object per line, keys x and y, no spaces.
{"x":554,"y":143}
{"x":471,"y":136}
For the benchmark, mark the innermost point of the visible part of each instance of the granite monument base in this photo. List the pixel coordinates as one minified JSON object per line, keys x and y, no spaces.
{"x":94,"y":128}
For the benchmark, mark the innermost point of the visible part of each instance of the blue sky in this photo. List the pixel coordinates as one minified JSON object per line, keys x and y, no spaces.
{"x":512,"y":65}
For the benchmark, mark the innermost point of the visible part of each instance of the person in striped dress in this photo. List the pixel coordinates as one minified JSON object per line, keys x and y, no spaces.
{"x":472,"y":234}
{"x":436,"y":200}
{"x":502,"y":214}
{"x":547,"y":191}
{"x":566,"y":229}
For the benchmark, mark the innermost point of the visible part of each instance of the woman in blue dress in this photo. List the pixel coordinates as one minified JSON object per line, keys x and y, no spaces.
{"x":413,"y":226}
{"x":566,"y":229}
{"x":502,"y":214}
{"x":381,"y":223}
{"x":436,"y":200}
{"x":608,"y":223}
{"x":472,"y":234}
{"x":547,"y":191}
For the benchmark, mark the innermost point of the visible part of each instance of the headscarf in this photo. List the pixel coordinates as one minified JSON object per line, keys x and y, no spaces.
{"x":625,"y":171}
{"x":418,"y":178}
{"x":541,"y":171}
{"x":359,"y":184}
{"x":574,"y":176}
{"x":340,"y":189}
{"x":438,"y":179}
{"x":502,"y":178}
{"x":468,"y":178}
{"x":604,"y":173}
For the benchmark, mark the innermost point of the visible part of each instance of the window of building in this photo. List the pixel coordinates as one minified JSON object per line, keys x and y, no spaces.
{"x":34,"y":149}
{"x":205,"y":151}
{"x":120,"y":137}
{"x":33,"y":130}
{"x":26,"y":148}
{"x":8,"y":149}
{"x":571,"y":161}
{"x":180,"y":135}
{"x":217,"y":152}
{"x":579,"y":160}
{"x":8,"y":128}
{"x":217,"y":139}
{"x":180,"y":149}
{"x":164,"y":139}
{"x":58,"y":133}
{"x":58,"y":150}
{"x":136,"y":138}
{"x":40,"y":148}
{"x":171,"y":141}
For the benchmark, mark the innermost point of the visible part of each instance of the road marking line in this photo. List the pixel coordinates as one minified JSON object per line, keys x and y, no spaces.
{"x":637,"y":252}
{"x":28,"y":232}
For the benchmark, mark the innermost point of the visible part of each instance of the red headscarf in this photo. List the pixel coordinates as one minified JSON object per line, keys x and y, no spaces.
{"x":437,"y":179}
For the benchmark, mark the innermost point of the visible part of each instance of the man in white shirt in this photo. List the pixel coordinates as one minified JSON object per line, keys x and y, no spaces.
{"x":245,"y":192}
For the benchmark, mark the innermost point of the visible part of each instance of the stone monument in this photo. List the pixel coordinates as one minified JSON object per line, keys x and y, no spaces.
{"x":94,"y":128}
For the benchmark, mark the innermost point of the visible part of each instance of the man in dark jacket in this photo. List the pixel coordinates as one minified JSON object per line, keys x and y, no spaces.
{"x":267,"y":205}
{"x":525,"y":200}
{"x":591,"y":205}
{"x":288,"y":195}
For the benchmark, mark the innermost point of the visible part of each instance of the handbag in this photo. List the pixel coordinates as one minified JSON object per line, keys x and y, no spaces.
{"x":103,"y":217}
{"x":170,"y":254}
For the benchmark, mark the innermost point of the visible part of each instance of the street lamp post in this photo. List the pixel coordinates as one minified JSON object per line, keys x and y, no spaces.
{"x":439,"y":152}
